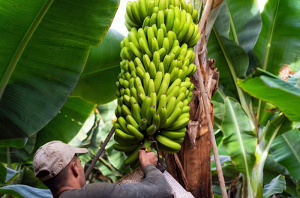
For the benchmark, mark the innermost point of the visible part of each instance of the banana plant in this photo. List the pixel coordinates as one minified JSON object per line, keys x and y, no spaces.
{"x":44,"y":48}
{"x":254,"y":108}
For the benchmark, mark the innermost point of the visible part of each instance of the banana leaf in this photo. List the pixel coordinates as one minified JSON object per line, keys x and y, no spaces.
{"x":279,"y":40}
{"x":276,"y":186}
{"x":275,"y":91}
{"x":67,"y":122}
{"x":286,"y":151}
{"x":44,"y":47}
{"x":240,"y":141}
{"x":18,"y":154}
{"x":245,"y":22}
{"x":97,"y":81}
{"x":276,"y":127}
{"x":272,"y":169}
{"x":231,"y":60}
{"x":24,"y":191}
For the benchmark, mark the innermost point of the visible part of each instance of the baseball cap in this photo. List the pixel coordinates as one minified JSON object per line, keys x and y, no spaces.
{"x":53,"y":157}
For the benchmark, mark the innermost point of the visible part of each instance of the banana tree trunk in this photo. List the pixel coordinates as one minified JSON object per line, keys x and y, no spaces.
{"x":191,"y":166}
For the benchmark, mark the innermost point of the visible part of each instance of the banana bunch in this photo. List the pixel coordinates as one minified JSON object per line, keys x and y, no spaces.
{"x":138,"y":11}
{"x":154,"y":88}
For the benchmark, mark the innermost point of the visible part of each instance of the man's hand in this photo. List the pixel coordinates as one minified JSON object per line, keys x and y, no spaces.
{"x":147,"y":158}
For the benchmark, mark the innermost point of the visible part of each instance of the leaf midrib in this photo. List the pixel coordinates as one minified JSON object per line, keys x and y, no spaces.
{"x":239,"y":137}
{"x":96,"y":72}
{"x":293,"y":150}
{"x":232,"y":27}
{"x":272,"y":187}
{"x":270,"y":39}
{"x":233,"y":74}
{"x":20,"y":49}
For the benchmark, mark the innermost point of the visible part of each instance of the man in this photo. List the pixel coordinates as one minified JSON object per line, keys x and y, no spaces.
{"x":59,"y":168}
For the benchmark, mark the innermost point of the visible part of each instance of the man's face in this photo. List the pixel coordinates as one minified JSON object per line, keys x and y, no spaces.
{"x":81,"y":172}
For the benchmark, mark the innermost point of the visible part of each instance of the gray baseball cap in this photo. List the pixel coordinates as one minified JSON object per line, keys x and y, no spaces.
{"x":53,"y":157}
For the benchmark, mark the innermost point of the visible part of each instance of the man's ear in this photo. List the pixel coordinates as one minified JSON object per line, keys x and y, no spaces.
{"x":74,"y":169}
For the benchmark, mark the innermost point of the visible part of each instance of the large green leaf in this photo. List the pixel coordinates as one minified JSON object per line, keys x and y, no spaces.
{"x":272,"y":169}
{"x":97,"y":81}
{"x":275,"y":91}
{"x":231,"y":60}
{"x":279,"y":40}
{"x":67,"y":122}
{"x":44,"y":47}
{"x":23,"y":191}
{"x":240,"y":141}
{"x":245,"y":22}
{"x":286,"y":151}
{"x":26,"y":177}
{"x":18,"y":154}
{"x":277,"y":126}
{"x":277,"y":185}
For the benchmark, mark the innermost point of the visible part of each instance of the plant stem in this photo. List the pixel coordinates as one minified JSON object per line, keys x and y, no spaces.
{"x":201,"y":46}
{"x":8,"y":158}
{"x":88,"y":171}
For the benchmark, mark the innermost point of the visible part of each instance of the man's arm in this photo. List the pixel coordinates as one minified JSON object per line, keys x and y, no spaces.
{"x":154,"y":185}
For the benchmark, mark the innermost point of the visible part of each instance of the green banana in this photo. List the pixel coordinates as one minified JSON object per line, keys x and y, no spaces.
{"x":146,"y":62}
{"x":176,"y":26}
{"x":163,"y":116}
{"x":145,"y":107}
{"x":152,"y":70}
{"x":132,"y":157}
{"x":124,"y":136}
{"x":173,"y":135}
{"x":173,"y":117}
{"x":135,"y":50}
{"x":131,"y":121}
{"x":150,"y":7}
{"x":151,"y":129}
{"x":160,"y":37}
{"x":125,"y":110}
{"x":166,"y":45}
{"x":144,"y":47}
{"x":171,"y":105}
{"x":136,"y":112}
{"x":135,"y":12}
{"x":158,"y":80}
{"x":167,"y":142}
{"x":179,"y":124}
{"x":129,"y":12}
{"x":174,"y":74}
{"x":154,"y":45}
{"x":153,"y":19}
{"x":146,"y":78}
{"x":156,"y":59}
{"x":170,"y":19}
{"x":124,"y":148}
{"x":163,"y":88}
{"x":183,"y":31}
{"x":139,"y":72}
{"x":150,"y":114}
{"x":143,"y":124}
{"x":135,"y":132}
{"x":143,"y":8}
{"x":156,"y":120}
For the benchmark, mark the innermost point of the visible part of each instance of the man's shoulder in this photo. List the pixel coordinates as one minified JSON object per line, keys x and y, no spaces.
{"x":85,"y":191}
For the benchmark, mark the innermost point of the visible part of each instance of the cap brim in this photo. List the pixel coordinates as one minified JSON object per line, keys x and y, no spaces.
{"x":81,"y":150}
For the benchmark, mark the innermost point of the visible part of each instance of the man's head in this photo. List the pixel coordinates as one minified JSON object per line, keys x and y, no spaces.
{"x":58,"y":166}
